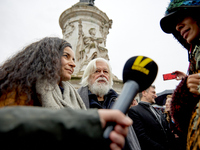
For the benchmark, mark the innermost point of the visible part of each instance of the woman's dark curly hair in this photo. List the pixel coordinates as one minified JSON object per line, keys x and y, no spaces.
{"x":38,"y":61}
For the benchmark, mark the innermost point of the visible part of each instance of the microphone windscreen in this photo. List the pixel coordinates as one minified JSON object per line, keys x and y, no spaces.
{"x":142,"y":70}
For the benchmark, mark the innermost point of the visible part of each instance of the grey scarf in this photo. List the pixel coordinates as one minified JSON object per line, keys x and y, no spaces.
{"x":51,"y":96}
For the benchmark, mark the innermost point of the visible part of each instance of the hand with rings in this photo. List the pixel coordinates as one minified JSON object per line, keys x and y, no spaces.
{"x":193,"y":83}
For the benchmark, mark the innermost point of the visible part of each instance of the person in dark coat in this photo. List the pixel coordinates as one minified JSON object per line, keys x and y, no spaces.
{"x":26,"y":127}
{"x":149,"y":124}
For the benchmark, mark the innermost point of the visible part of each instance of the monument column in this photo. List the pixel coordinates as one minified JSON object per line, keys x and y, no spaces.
{"x":86,"y":28}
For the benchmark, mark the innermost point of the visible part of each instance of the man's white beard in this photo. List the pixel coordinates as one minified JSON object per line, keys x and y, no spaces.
{"x":101,"y":88}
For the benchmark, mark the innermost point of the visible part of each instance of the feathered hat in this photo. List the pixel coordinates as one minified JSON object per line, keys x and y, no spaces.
{"x":175,"y":11}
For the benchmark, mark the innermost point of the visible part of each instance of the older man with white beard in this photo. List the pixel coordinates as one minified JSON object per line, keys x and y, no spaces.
{"x":97,"y":81}
{"x":97,"y":92}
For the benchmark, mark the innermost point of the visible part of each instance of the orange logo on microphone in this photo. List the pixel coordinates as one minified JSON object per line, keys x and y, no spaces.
{"x":139,"y":64}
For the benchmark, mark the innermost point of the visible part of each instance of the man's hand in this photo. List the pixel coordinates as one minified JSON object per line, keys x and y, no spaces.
{"x":117,"y":136}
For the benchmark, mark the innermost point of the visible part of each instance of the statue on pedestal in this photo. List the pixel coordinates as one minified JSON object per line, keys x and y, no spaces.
{"x":91,"y":2}
{"x":88,"y":47}
{"x":86,"y":28}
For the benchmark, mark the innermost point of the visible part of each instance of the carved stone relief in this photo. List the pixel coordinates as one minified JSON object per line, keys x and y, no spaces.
{"x":88,"y":47}
{"x":68,"y":29}
{"x":104,"y":29}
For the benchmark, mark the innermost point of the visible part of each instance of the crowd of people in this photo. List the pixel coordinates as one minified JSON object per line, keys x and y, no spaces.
{"x":40,"y":109}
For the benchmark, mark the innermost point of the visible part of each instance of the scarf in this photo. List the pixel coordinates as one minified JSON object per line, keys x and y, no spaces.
{"x":51,"y":97}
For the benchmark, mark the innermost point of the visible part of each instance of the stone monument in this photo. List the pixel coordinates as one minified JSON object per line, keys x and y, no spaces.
{"x":86,"y":28}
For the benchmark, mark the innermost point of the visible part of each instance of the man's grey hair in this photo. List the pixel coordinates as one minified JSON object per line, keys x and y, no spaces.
{"x":140,"y":94}
{"x":91,"y":68}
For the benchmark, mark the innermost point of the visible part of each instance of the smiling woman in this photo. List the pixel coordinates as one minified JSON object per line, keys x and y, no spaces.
{"x":67,"y":64}
{"x":182,"y":19}
{"x":38,"y":76}
{"x":189,"y":29}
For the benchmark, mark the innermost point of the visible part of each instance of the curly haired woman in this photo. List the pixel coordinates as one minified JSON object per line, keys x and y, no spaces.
{"x":38,"y":76}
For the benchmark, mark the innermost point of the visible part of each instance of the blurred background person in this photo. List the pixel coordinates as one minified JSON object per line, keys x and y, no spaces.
{"x":134,"y":102}
{"x":167,"y":113}
{"x":150,"y":124}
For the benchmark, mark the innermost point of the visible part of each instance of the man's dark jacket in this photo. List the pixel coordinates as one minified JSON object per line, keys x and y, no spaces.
{"x":91,"y":101}
{"x":150,"y":133}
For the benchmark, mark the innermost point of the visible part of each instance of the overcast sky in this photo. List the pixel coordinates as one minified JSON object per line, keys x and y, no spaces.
{"x":135,"y":31}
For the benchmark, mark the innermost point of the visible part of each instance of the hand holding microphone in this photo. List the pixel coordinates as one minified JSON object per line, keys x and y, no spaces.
{"x":138,"y":74}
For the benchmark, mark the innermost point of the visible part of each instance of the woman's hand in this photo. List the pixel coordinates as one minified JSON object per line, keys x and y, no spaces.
{"x":193,"y":82}
{"x":179,"y":75}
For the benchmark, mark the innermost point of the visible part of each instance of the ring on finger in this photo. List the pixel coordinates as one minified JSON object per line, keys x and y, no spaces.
{"x":198,"y":88}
